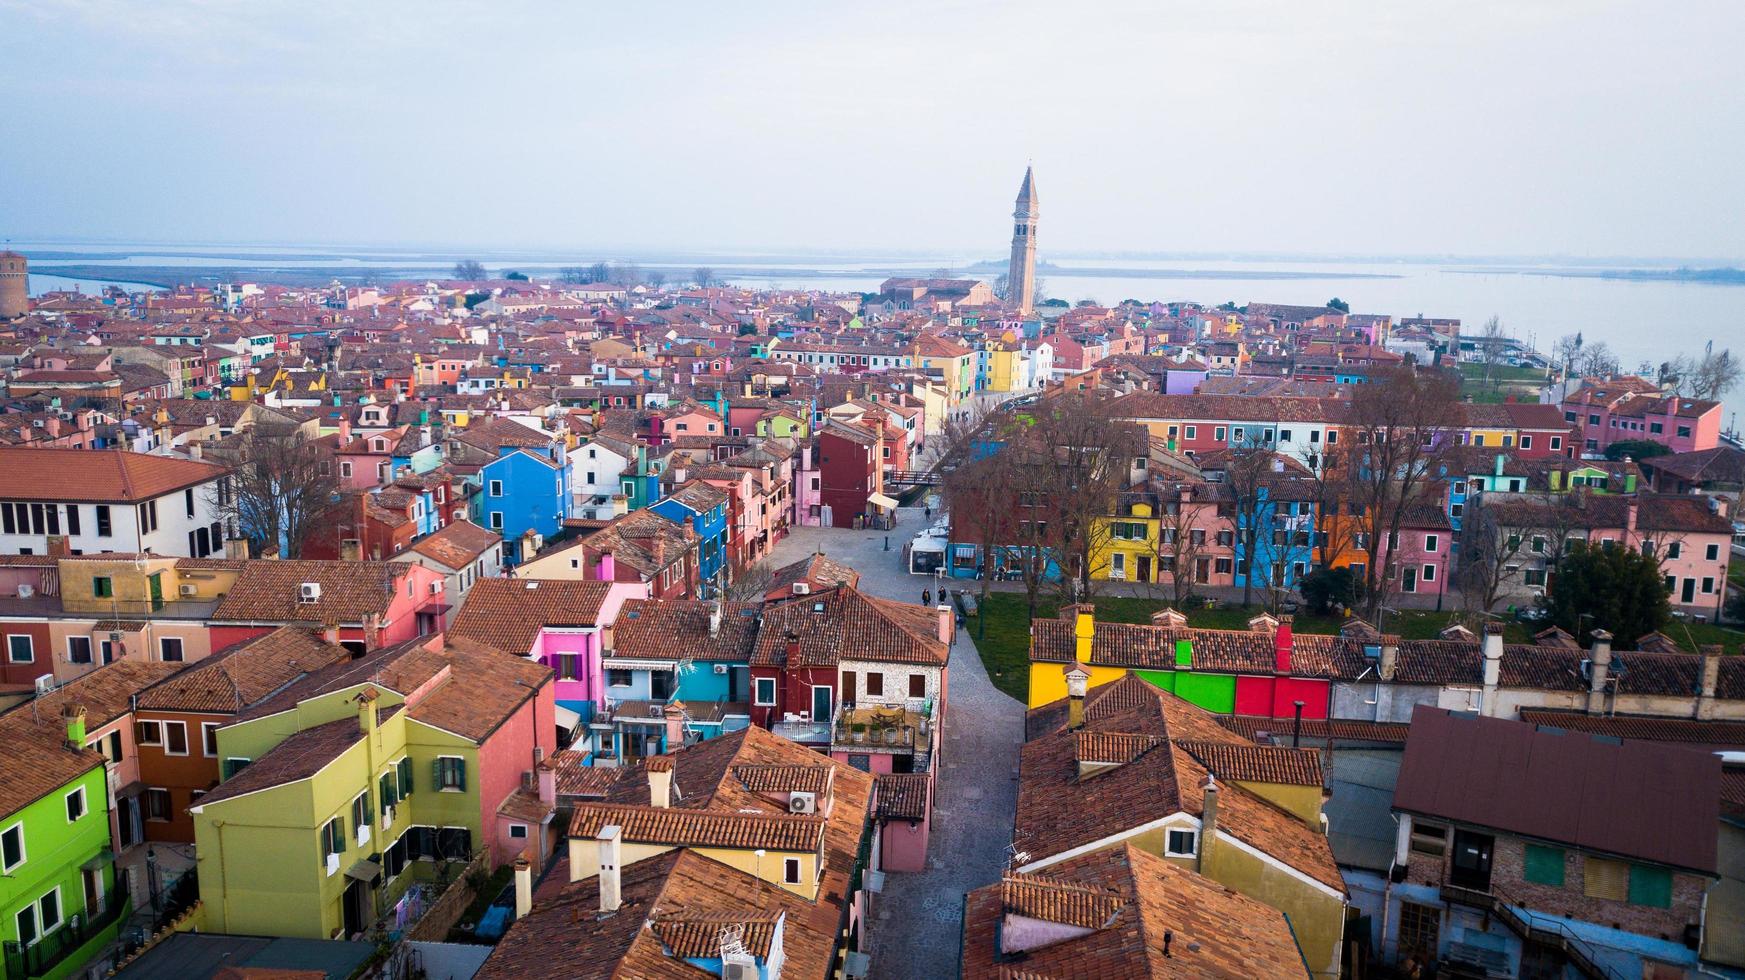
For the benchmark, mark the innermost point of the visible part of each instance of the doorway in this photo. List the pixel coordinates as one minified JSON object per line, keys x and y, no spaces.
{"x":355,"y":907}
{"x":1409,"y":580}
{"x":820,"y":704}
{"x":1471,"y":863}
{"x":1144,"y":574}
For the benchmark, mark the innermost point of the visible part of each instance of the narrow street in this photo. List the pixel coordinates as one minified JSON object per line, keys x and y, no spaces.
{"x":917,"y":922}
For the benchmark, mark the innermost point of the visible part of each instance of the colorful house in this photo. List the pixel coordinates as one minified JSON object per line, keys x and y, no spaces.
{"x":704,"y":509}
{"x":372,"y":604}
{"x":525,"y":496}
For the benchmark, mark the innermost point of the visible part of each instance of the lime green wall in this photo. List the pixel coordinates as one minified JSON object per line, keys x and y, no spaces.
{"x":1214,"y":692}
{"x":55,"y":850}
{"x":254,"y":738}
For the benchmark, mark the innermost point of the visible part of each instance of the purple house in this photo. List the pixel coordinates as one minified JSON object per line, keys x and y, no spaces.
{"x":1184,"y":377}
{"x":557,"y":622}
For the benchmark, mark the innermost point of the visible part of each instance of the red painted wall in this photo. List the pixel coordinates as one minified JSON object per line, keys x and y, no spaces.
{"x":1272,"y":697}
{"x":504,"y":756}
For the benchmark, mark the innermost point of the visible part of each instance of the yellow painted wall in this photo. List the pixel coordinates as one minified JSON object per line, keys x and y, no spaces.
{"x":1048,"y":680}
{"x":1317,"y":918}
{"x":129,"y":580}
{"x":1303,"y":802}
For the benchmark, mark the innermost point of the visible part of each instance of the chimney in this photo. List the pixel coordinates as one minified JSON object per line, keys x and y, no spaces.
{"x":715,"y":618}
{"x":74,"y":716}
{"x":608,"y":845}
{"x":1208,"y":822}
{"x":547,"y":782}
{"x":660,"y":778}
{"x":1078,"y":677}
{"x":366,"y":710}
{"x":1493,"y":667}
{"x":1281,"y":646}
{"x":330,"y":633}
{"x":1711,"y":677}
{"x":947,"y":624}
{"x":608,"y":568}
{"x":1084,"y":629}
{"x":792,"y":648}
{"x":675,"y":725}
{"x":523,"y":887}
{"x":1390,"y":657}
{"x":1599,"y":667}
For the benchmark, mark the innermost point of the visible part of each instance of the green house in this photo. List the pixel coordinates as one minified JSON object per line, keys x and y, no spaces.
{"x":59,"y":904}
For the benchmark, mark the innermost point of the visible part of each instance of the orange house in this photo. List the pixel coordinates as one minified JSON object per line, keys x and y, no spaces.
{"x":176,"y":720}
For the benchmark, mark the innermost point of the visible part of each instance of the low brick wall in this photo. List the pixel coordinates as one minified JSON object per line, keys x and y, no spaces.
{"x":434,"y":926}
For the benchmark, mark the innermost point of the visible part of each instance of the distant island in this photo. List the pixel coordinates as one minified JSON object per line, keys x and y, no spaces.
{"x":1722,"y":276}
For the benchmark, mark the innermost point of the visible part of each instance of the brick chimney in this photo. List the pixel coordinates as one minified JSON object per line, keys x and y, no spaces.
{"x":1599,"y":670}
{"x":1282,"y":644}
{"x":1208,"y":822}
{"x":660,"y":781}
{"x":547,"y":777}
{"x":609,"y":847}
{"x":674,"y":715}
{"x":1078,"y":678}
{"x":1493,"y":667}
{"x":1711,"y":677}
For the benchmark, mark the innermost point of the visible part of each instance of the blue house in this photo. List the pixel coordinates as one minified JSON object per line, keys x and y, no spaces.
{"x":524,"y":489}
{"x":1284,"y":538}
{"x":704,"y":507}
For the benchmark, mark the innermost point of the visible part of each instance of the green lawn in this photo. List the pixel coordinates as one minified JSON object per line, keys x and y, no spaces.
{"x":1522,"y":383}
{"x":1005,"y":649}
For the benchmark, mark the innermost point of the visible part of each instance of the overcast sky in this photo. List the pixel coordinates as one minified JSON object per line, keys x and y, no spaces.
{"x":1514,"y":127}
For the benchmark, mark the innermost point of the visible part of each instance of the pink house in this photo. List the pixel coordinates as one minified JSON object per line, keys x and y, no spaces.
{"x":365,"y":604}
{"x":1620,"y":409}
{"x":904,"y":811}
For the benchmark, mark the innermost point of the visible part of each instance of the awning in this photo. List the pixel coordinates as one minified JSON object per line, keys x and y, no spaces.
{"x":103,"y":859}
{"x":364,"y":871}
{"x":882,"y":501}
{"x":638,"y":663}
{"x":134,"y":788}
{"x":567,"y":718}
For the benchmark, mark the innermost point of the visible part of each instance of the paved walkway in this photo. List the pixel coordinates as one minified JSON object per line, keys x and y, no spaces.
{"x":918,"y":921}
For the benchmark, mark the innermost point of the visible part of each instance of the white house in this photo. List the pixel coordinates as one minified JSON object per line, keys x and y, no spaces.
{"x":595,"y":467}
{"x":462,"y":552}
{"x":92,"y":501}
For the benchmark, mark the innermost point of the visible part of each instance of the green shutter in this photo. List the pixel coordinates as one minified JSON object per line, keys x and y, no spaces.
{"x":1650,"y":886}
{"x":339,"y":835}
{"x":405,"y":777}
{"x":460,"y":774}
{"x":1544,"y":865}
{"x":436,"y":774}
{"x":369,"y":814}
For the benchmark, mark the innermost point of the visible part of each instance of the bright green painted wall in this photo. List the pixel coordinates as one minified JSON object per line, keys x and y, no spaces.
{"x":55,"y":851}
{"x":1160,"y":679}
{"x":1214,"y":692}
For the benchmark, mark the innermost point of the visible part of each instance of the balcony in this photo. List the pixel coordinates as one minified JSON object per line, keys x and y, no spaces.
{"x":882,"y":728}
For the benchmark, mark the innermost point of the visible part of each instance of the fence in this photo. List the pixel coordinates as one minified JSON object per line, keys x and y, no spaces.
{"x":48,"y":951}
{"x":443,"y":913}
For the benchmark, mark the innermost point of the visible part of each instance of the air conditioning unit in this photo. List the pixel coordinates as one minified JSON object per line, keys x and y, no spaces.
{"x":309,"y":591}
{"x":802,"y":803}
{"x":802,"y":588}
{"x":738,"y":969}
{"x":25,"y":591}
{"x":720,"y":668}
{"x":45,"y":683}
{"x":187,"y":589}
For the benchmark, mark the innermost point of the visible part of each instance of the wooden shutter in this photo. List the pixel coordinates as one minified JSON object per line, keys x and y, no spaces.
{"x":1650,"y":886}
{"x":405,"y":777}
{"x":1544,"y":865}
{"x":1606,"y":879}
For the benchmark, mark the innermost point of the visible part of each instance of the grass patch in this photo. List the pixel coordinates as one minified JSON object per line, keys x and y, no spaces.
{"x":1694,"y":636}
{"x":1005,"y":648}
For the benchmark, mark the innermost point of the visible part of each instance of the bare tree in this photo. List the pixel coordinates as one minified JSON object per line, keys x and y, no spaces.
{"x":1491,"y":341}
{"x":1708,"y":377}
{"x":750,"y":583}
{"x":1337,"y":523}
{"x":1181,"y":539}
{"x":281,"y":489}
{"x":704,"y":277}
{"x":1597,"y":361}
{"x":1403,"y":423}
{"x":1253,"y":471}
{"x":472,"y":270}
{"x":573,"y":275}
{"x":1566,"y":352}
{"x":656,"y":278}
{"x":625,"y":274}
{"x":978,"y":495}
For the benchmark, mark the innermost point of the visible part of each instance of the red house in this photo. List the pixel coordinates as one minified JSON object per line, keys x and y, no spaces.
{"x":372,"y":603}
{"x":851,"y":478}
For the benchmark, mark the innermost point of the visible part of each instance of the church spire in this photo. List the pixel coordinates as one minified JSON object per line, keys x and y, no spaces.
{"x":1021,"y":273}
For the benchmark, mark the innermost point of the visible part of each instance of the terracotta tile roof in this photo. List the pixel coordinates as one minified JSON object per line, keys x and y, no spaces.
{"x":269,"y":591}
{"x":1148,"y":647}
{"x":1058,"y":810}
{"x":102,"y":476}
{"x":700,"y":936}
{"x":507,"y":613}
{"x":575,"y":778}
{"x":1250,"y":727}
{"x":524,"y":806}
{"x":782,"y":779}
{"x":1112,"y":747}
{"x":457,"y":545}
{"x":565,"y":928}
{"x":642,"y":540}
{"x":845,"y":622}
{"x":675,"y":827}
{"x":1258,"y":763}
{"x":817,"y":571}
{"x":241,"y":675}
{"x":300,"y":756}
{"x":903,"y":795}
{"x":1717,"y":734}
{"x":1118,"y":904}
{"x":402,"y":668}
{"x":661,"y":628}
{"x":484,"y":689}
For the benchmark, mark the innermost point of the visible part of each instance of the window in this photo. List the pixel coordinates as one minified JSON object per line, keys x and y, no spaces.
{"x":451,"y":774}
{"x":1708,"y":585}
{"x":188,"y":500}
{"x":78,"y":649}
{"x":1544,"y":865}
{"x":1284,"y":435}
{"x":11,"y":847}
{"x":765,"y":693}
{"x":48,"y":909}
{"x":1712,"y":552}
{"x":917,"y":685}
{"x":1181,"y":843}
{"x":345,"y":468}
{"x":1674,"y":549}
{"x":332,"y":840}
{"x":496,"y":520}
{"x":403,"y":782}
{"x":148,"y":732}
{"x":1556,"y":443}
{"x":1218,"y":433}
{"x":75,"y":804}
{"x":170,"y":649}
{"x":1191,"y":431}
{"x":875,"y":684}
{"x":1526,"y":442}
{"x":362,"y":816}
{"x":1420,"y":926}
{"x":232,"y":765}
{"x":518,"y":831}
{"x":209,"y":739}
{"x":791,"y":870}
{"x":1431,"y":543}
{"x":496,"y":488}
{"x":617,"y":677}
{"x":1602,"y":878}
{"x":157,"y":804}
{"x":175,"y":738}
{"x":27,"y":925}
{"x":1684,"y":432}
{"x":1429,"y":573}
{"x":1429,"y":838}
{"x":1650,"y":886}
{"x":19,"y":649}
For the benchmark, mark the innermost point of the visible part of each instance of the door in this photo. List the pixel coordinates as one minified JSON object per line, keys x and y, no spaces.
{"x":1144,"y":573}
{"x":848,"y":687}
{"x":1471,"y":863}
{"x":156,"y":580}
{"x":820,"y":704}
{"x":1202,"y":570}
{"x":1689,"y":594}
{"x":1410,"y":582}
{"x":355,"y":907}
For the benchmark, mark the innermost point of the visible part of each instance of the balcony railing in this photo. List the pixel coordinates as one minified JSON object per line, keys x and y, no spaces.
{"x":50,"y":951}
{"x":886,"y":727}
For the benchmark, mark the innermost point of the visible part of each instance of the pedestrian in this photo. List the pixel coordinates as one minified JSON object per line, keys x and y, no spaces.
{"x":927,"y":597}
{"x":927,"y":511}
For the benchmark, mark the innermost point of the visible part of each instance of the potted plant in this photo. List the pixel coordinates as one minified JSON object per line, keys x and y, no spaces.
{"x":859,"y":732}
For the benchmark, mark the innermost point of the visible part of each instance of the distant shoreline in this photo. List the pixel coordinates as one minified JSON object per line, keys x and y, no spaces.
{"x":1713,"y":277}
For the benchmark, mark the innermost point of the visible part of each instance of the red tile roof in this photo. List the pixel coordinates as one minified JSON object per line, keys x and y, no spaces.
{"x":97,"y":476}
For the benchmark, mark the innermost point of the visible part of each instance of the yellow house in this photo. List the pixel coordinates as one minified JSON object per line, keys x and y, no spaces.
{"x":1004,"y":366}
{"x":950,"y":364}
{"x":1124,"y":547}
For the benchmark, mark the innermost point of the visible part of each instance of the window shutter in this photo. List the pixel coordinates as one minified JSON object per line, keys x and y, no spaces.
{"x":406,"y":777}
{"x":339,"y":835}
{"x":1544,"y":865}
{"x":1650,"y":886}
{"x":460,"y":774}
{"x":436,"y":774}
{"x":1606,"y":879}
{"x":369,"y":813}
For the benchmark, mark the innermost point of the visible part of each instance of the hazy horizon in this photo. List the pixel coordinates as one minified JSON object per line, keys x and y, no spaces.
{"x":1523,"y":130}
